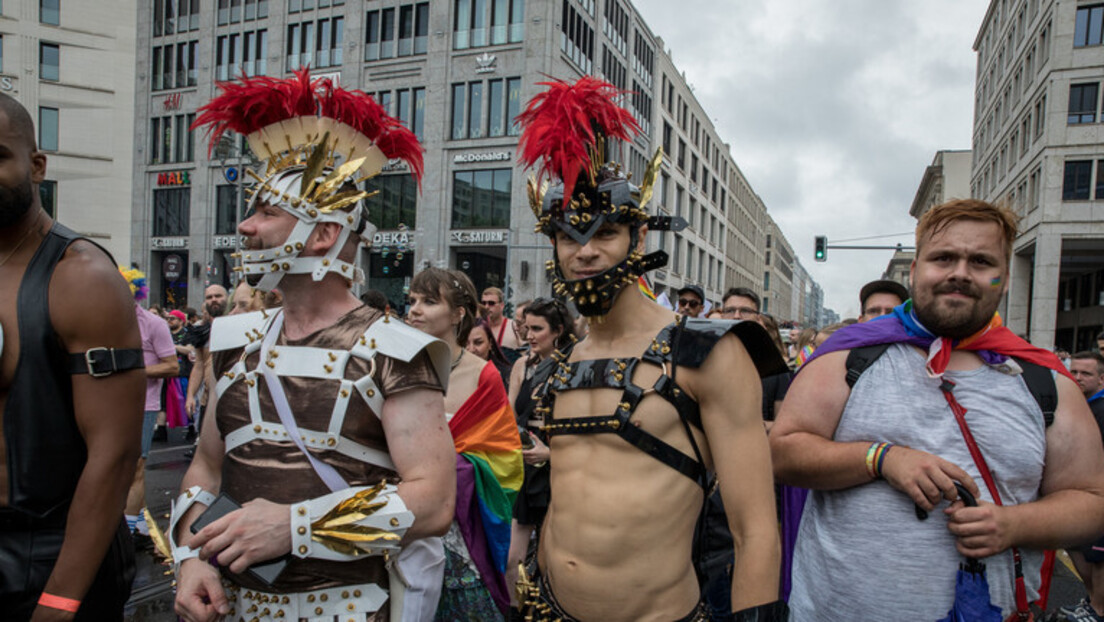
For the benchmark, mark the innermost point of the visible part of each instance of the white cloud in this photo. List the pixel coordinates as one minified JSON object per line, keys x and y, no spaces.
{"x":832,"y":109}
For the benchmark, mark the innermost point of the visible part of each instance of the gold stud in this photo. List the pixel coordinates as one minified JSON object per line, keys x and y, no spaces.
{"x":302,"y":512}
{"x":331,"y":442}
{"x":332,"y":356}
{"x":370,"y":393}
{"x":298,"y":246}
{"x":362,"y":341}
{"x":257,"y":428}
{"x":344,"y":393}
{"x":323,"y":597}
{"x":328,"y":368}
{"x":356,"y":593}
{"x":303,"y":549}
{"x":274,"y":354}
{"x":394,"y":521}
{"x":288,"y":248}
{"x":318,"y":611}
{"x":373,"y":344}
{"x":274,"y":267}
{"x":270,"y":364}
{"x":302,"y":531}
{"x":325,"y":262}
{"x":345,"y":594}
{"x":351,"y":607}
{"x":286,"y":266}
{"x":250,"y":383}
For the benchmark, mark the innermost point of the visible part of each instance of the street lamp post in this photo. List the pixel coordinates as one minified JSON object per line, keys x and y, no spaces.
{"x":233,"y":158}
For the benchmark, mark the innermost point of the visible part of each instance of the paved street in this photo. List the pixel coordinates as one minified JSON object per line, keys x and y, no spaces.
{"x":151,"y":599}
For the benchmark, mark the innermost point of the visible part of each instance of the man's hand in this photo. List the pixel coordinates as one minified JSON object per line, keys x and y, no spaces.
{"x":536,"y":455}
{"x":259,"y":531}
{"x":199,"y":593}
{"x":979,"y":531}
{"x":927,"y":479}
{"x":189,"y":406}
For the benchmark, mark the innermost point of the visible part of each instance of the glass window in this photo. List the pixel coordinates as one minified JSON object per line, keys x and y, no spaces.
{"x":499,"y":26}
{"x":475,"y":109}
{"x":337,"y":57}
{"x":479,"y":23}
{"x":481,"y":198}
{"x":171,"y":208}
{"x":155,"y":140}
{"x":387,"y":33}
{"x":395,"y":203}
{"x":406,"y":30}
{"x":421,"y":27}
{"x":513,"y":105}
{"x":223,"y":12}
{"x":157,"y":82}
{"x":1088,"y":25}
{"x":1082,"y":103}
{"x":178,"y":148}
{"x":47,"y":191}
{"x":48,"y":129}
{"x":1076,"y":180}
{"x":372,"y":35}
{"x":459,"y":97}
{"x":496,"y":100}
{"x":418,"y":124}
{"x":227,"y":210}
{"x":402,"y":97}
{"x":1100,"y":181}
{"x":48,"y":61}
{"x":192,"y":73}
{"x":49,"y":11}
{"x":461,"y":34}
{"x":517,"y":20}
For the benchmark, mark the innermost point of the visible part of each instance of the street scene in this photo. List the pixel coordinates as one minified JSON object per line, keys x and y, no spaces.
{"x":502,"y":310}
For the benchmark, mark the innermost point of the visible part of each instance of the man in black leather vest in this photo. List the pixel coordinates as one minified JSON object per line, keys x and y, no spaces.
{"x":71,"y":392}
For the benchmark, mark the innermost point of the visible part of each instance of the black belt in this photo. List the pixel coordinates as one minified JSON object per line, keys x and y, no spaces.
{"x":100,"y":362}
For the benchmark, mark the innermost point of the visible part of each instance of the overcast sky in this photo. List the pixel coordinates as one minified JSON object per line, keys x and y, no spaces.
{"x":832,"y":109}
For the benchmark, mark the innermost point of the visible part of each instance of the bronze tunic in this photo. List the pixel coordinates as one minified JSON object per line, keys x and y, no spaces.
{"x":280,"y":472}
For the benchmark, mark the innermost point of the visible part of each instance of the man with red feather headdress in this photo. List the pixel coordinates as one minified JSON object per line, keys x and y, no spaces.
{"x":329,"y":450}
{"x":645,"y":410}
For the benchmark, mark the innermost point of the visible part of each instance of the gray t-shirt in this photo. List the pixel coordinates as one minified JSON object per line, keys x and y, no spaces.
{"x":861,"y":553}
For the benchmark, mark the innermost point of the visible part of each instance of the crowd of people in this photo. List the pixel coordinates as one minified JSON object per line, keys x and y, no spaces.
{"x":589,"y":455}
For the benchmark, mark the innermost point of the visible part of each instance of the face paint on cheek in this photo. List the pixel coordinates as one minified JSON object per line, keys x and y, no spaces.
{"x":995,"y":281}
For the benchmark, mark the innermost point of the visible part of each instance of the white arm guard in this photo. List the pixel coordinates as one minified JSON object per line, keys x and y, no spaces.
{"x":183,"y":503}
{"x":322,"y":529}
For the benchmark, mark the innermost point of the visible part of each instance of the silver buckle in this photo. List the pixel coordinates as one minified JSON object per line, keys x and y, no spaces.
{"x":91,"y":364}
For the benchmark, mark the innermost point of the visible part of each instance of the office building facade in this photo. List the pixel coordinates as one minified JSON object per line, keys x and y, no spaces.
{"x":1038,"y":145}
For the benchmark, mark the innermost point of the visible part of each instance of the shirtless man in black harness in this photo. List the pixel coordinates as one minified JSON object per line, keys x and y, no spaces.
{"x":643,"y":409}
{"x":71,"y":396}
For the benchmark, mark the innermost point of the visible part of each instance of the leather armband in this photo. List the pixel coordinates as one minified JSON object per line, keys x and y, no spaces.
{"x":777,"y":611}
{"x":350,"y":523}
{"x":100,"y":362}
{"x":183,"y":503}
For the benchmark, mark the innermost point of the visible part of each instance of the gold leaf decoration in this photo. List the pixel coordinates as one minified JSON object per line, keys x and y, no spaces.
{"x":648,"y":183}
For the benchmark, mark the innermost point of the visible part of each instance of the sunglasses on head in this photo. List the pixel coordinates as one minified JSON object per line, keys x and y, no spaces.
{"x":688,"y":302}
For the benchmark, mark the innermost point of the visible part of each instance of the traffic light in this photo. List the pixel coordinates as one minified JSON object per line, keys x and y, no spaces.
{"x":821,"y":251}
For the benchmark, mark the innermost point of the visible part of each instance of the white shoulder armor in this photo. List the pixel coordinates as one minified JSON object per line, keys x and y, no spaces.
{"x":390,"y":337}
{"x":235,"y":331}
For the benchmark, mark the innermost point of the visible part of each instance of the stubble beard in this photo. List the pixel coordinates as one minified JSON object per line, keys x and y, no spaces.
{"x":15,"y":202}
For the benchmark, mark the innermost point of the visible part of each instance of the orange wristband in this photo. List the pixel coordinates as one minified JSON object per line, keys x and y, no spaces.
{"x":58,"y":602}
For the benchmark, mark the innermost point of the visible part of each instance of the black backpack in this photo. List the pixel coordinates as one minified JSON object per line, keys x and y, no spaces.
{"x":1038,"y":378}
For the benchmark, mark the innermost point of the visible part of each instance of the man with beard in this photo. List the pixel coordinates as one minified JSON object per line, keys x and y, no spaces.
{"x":956,"y":398}
{"x":71,"y":396}
{"x":645,"y":407}
{"x":201,"y":378}
{"x":326,"y":436}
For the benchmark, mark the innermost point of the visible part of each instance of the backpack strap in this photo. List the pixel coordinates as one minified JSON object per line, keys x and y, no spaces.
{"x":1040,"y":381}
{"x":858,"y":359}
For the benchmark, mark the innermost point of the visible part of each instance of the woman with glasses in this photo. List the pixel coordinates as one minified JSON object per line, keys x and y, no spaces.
{"x":442,"y":304}
{"x":548,"y":330}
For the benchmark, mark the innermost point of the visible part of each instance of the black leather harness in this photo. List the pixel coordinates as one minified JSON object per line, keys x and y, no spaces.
{"x":683,"y":343}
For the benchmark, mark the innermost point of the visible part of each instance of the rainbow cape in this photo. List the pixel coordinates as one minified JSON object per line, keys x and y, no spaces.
{"x":488,"y":476}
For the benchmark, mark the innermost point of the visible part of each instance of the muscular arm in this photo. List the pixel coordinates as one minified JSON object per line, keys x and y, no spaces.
{"x":731,"y":416}
{"x":90,"y":306}
{"x":421,"y":447}
{"x":1070,"y":509}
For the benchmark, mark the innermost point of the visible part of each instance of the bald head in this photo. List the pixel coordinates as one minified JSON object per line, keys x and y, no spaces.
{"x":19,"y":120}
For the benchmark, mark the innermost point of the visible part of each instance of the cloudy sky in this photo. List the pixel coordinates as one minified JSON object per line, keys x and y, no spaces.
{"x":832,"y":109}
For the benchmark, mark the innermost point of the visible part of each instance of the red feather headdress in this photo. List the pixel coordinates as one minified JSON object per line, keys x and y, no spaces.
{"x":285,"y":119}
{"x":563,"y":128}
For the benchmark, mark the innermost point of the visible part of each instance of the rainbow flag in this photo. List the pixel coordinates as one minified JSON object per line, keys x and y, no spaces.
{"x":488,"y":476}
{"x":645,"y":289}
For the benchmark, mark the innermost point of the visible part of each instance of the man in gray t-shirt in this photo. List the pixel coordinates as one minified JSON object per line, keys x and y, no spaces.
{"x":870,"y":453}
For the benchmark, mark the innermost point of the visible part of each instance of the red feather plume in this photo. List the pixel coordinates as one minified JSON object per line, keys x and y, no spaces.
{"x":253,"y":103}
{"x":364,"y":114}
{"x":562,"y":123}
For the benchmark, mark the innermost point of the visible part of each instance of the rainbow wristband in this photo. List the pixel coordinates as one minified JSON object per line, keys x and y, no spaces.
{"x":59,"y":602}
{"x":883,"y":450}
{"x":875,"y":456}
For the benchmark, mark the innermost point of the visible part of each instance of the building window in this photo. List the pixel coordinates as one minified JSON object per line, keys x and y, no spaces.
{"x":1,"y":52}
{"x":395,"y":204}
{"x":49,"y":12}
{"x":47,"y":128}
{"x":171,"y":207}
{"x":230,"y":11}
{"x":1099,"y":180}
{"x":48,"y":60}
{"x":410,"y":27}
{"x":1076,"y":180}
{"x":255,"y":53}
{"x":172,"y":139}
{"x":504,"y":104}
{"x":1089,"y":25}
{"x":256,"y":9}
{"x":47,"y":191}
{"x":228,"y":208}
{"x":304,"y":48}
{"x":481,"y":198}
{"x":1082,"y":103}
{"x":577,"y":40}
{"x":506,"y":20}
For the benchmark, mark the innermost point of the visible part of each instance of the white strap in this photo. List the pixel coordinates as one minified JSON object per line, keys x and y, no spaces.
{"x":180,"y":506}
{"x":267,"y":431}
{"x":327,"y":473}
